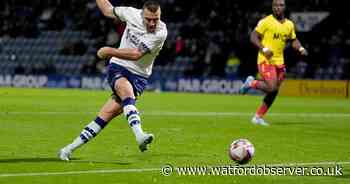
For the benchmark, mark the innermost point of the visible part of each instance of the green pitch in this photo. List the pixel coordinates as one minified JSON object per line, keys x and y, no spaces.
{"x":190,"y":130}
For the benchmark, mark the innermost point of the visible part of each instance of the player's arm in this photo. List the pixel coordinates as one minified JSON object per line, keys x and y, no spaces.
{"x":107,"y":8}
{"x":296,"y":43}
{"x":297,"y":46}
{"x":133,"y":54}
{"x":255,"y":38}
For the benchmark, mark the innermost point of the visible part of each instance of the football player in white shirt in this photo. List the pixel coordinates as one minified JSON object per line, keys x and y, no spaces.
{"x":130,"y":66}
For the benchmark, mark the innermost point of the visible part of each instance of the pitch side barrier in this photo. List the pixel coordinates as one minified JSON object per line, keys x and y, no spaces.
{"x":320,"y":88}
{"x":205,"y":85}
{"x":316,"y":88}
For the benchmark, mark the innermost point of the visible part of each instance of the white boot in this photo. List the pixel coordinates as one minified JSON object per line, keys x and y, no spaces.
{"x":259,"y":121}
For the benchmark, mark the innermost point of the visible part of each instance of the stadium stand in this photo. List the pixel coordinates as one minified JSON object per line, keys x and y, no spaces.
{"x":61,"y":37}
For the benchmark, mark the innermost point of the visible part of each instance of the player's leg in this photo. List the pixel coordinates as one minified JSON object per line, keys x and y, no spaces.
{"x":270,"y":96}
{"x":269,"y":82}
{"x":125,"y":91}
{"x":263,"y":108}
{"x":269,"y":85}
{"x":110,"y":109}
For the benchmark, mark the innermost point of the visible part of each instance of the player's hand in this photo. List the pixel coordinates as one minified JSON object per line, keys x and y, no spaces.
{"x":267,"y":53}
{"x":303,"y":51}
{"x":102,"y":52}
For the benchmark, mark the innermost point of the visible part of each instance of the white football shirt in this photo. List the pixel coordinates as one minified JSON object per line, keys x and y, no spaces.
{"x":136,"y":36}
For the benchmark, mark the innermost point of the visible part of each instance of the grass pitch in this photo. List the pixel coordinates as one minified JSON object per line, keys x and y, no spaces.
{"x":190,"y":130}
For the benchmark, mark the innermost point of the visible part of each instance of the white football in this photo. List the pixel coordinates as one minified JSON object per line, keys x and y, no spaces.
{"x":241,"y":151}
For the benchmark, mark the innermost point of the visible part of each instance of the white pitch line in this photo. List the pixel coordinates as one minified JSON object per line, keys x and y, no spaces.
{"x":169,"y":113}
{"x":104,"y":171}
{"x":165,"y":113}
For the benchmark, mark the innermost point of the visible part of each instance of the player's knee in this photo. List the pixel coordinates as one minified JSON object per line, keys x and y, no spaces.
{"x":271,"y":88}
{"x":124,"y":89}
{"x":274,"y":88}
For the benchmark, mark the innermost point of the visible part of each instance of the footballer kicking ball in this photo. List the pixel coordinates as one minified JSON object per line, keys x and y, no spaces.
{"x":241,"y":151}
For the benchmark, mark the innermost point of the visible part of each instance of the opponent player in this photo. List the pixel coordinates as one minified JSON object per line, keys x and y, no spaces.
{"x":270,"y":37}
{"x":128,"y":70}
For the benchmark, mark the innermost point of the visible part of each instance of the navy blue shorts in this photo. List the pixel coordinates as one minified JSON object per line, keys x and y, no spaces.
{"x":115,"y":72}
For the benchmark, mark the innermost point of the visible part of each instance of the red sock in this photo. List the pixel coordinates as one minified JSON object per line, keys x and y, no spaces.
{"x":262,"y":110}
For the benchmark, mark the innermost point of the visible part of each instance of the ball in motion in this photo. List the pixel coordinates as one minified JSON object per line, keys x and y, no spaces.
{"x":241,"y":151}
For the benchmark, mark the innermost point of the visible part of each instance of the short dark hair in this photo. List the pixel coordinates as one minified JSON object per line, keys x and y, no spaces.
{"x":151,"y":5}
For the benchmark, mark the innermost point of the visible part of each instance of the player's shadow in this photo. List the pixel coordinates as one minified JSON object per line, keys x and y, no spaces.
{"x":160,"y":155}
{"x":28,"y":160}
{"x":288,"y":123}
{"x":99,"y":162}
{"x":56,"y":160}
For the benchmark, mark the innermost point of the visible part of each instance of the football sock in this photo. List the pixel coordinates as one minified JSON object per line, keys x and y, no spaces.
{"x":261,"y":110}
{"x":267,"y":102}
{"x":89,"y":132}
{"x":132,"y":115}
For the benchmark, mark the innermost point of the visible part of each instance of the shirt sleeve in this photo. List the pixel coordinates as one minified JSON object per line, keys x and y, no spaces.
{"x":124,"y":13}
{"x":261,"y":27}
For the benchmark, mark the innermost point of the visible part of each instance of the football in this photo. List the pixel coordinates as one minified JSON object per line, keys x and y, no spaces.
{"x":241,"y":151}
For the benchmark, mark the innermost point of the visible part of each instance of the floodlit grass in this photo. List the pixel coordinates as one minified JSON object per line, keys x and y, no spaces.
{"x":190,"y":130}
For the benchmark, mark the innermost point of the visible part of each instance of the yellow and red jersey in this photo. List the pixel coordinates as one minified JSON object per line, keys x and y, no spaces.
{"x":275,"y":35}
